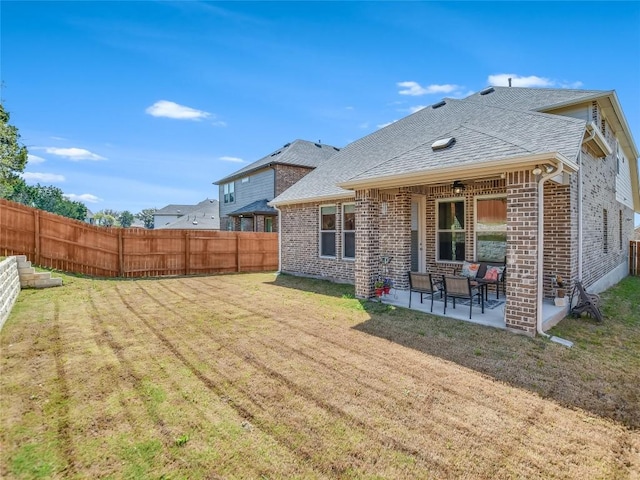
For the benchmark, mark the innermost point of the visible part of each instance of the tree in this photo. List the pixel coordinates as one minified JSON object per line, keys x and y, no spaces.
{"x":13,"y":156}
{"x":146,"y":216}
{"x":125,"y":219}
{"x":104,"y":218}
{"x":48,"y":198}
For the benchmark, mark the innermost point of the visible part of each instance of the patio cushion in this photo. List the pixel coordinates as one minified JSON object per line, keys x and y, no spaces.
{"x":470,"y":269}
{"x":493,"y":273}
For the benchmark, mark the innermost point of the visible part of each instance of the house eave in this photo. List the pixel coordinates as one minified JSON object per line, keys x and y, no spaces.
{"x":598,"y":140}
{"x":485,"y":169}
{"x":348,"y":195}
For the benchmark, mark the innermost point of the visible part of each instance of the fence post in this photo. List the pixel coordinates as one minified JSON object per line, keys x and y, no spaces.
{"x":120,"y":253}
{"x":238,"y":250}
{"x":36,"y":221}
{"x":187,"y":254}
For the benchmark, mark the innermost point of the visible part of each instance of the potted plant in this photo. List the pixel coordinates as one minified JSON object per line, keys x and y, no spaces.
{"x":561,"y":292}
{"x":379,"y":287}
{"x":386,"y":285}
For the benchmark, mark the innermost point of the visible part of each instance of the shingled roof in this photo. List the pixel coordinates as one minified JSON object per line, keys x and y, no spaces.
{"x":483,"y":133}
{"x":299,"y":153}
{"x":259,"y":207}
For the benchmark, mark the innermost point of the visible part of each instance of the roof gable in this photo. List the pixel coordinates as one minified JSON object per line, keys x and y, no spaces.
{"x":299,"y":152}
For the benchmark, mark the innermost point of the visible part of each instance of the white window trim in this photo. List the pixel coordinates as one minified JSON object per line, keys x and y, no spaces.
{"x":320,"y":231}
{"x":437,"y":214}
{"x":343,"y":231}
{"x":232,"y":189}
{"x":475,"y":218}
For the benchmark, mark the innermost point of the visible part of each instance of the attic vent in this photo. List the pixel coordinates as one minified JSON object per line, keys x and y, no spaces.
{"x":442,"y":143}
{"x":276,"y":153}
{"x":286,"y":145}
{"x":439,"y":104}
{"x":336,"y":149}
{"x":318,"y":145}
{"x":486,"y":91}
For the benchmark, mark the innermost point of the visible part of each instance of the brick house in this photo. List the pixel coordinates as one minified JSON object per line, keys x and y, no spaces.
{"x":244,"y":195}
{"x":544,"y":179}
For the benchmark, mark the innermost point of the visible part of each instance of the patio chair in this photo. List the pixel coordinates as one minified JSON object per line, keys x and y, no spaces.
{"x":588,"y":303}
{"x":461,"y":287}
{"x":423,"y":283}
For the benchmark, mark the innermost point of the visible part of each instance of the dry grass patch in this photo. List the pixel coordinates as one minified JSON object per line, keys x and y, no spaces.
{"x":253,"y":376}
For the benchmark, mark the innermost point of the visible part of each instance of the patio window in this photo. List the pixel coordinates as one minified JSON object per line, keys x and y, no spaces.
{"x":328,"y":231}
{"x":349,"y":231}
{"x":491,"y":229}
{"x":229,"y":192}
{"x":451,"y":230}
{"x":268,"y":224}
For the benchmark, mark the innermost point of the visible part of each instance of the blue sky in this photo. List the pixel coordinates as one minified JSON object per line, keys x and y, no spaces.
{"x":132,"y":105}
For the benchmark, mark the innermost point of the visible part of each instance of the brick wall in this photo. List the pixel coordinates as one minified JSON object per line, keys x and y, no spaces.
{"x":287,"y":175}
{"x":598,"y":194}
{"x":300,"y":243}
{"x":395,"y":236}
{"x":560,"y":244}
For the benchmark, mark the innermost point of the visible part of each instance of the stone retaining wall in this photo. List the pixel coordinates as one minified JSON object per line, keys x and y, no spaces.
{"x":9,"y":287}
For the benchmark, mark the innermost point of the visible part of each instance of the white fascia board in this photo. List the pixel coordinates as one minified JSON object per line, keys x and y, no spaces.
{"x":484,"y":169}
{"x":349,"y":195}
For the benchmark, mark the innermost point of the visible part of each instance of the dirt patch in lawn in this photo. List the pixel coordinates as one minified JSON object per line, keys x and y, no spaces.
{"x":253,"y":376}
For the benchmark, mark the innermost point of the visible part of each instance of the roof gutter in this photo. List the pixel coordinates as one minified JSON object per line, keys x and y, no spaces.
{"x":495,"y":167}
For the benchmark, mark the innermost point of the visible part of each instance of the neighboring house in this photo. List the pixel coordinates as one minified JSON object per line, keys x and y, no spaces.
{"x":89,"y":217}
{"x":244,"y":195}
{"x":205,"y":216}
{"x":636,"y":235}
{"x":544,"y":179}
{"x":171,"y":213}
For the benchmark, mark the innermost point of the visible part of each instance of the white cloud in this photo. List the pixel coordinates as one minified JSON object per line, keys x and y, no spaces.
{"x":165,"y":108}
{"x":415,"y":89}
{"x":416,"y":108}
{"x":85,"y":197}
{"x":232,"y":159}
{"x":364,"y":125}
{"x":42,"y":177}
{"x":219,"y":123}
{"x":502,"y":80}
{"x":75,"y":154}
{"x":34,"y":159}
{"x":386,"y":124}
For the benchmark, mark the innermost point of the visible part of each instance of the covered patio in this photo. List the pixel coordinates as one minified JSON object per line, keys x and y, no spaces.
{"x":493,"y":316}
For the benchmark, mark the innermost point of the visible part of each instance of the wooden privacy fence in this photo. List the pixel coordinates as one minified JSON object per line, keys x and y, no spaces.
{"x":634,"y":257}
{"x":69,"y":245}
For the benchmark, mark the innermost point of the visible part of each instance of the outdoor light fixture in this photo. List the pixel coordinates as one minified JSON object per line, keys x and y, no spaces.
{"x":458,"y":187}
{"x":537,"y":171}
{"x":549,"y":168}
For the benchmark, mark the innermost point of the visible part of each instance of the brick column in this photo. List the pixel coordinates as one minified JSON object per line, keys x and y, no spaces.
{"x":401,"y":251}
{"x":367,"y":262}
{"x":522,"y":245}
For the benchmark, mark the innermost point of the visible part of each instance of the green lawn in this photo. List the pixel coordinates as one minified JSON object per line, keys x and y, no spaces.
{"x":265,"y":377}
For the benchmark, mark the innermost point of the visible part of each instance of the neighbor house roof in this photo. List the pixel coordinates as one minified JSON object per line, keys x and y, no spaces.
{"x":175,"y":209}
{"x":206,"y":216}
{"x":484,"y":134}
{"x":259,"y":207}
{"x":299,"y":153}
